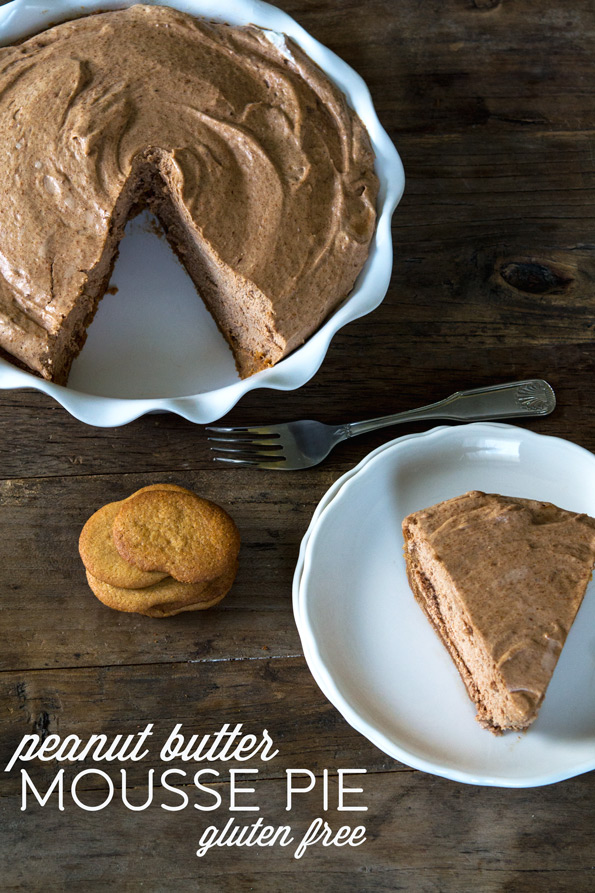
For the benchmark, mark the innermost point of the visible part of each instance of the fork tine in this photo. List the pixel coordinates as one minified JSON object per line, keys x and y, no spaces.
{"x":253,"y":462}
{"x":253,"y":432}
{"x":269,"y":452}
{"x":245,"y":440}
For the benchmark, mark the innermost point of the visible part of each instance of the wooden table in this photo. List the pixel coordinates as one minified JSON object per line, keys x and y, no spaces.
{"x":491,"y":106}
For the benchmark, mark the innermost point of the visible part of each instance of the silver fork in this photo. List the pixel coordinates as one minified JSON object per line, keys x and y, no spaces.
{"x":294,"y":445}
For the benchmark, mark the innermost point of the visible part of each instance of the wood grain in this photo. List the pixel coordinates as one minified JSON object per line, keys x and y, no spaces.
{"x":425,"y":834}
{"x":490,"y":103}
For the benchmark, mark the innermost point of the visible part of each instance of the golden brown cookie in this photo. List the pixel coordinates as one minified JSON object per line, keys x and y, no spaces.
{"x":101,"y":558}
{"x":99,"y":553}
{"x":176,"y":532}
{"x":165,"y":598}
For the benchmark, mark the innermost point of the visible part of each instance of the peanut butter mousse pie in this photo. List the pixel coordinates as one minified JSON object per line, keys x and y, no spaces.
{"x":500,"y":579}
{"x":260,"y":173}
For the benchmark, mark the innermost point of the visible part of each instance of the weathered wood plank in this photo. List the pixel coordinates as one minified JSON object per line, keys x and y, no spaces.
{"x":277,"y":694}
{"x":438,"y":67}
{"x":422,"y":834}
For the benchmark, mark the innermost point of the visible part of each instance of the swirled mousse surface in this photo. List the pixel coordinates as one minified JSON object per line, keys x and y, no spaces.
{"x":501,"y":579}
{"x":260,"y":172}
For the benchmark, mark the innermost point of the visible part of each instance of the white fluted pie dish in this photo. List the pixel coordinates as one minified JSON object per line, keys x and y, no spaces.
{"x":143,"y":354}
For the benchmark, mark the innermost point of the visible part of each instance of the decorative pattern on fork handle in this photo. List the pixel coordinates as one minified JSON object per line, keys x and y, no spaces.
{"x":534,"y":396}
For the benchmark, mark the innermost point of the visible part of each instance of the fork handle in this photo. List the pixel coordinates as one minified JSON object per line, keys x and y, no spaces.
{"x":533,"y":397}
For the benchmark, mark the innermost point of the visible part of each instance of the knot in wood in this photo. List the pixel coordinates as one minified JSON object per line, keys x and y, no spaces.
{"x":485,"y":5}
{"x":42,"y":724}
{"x":534,"y":278}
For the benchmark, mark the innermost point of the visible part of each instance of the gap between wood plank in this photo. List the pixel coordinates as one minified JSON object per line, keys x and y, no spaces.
{"x":155,"y":663}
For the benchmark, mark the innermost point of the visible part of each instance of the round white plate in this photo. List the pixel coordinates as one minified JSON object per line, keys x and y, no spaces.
{"x":368,"y":644}
{"x":180,"y":362}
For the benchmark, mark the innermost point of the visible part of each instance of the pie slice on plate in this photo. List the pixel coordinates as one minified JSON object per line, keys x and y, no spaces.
{"x":500,"y":579}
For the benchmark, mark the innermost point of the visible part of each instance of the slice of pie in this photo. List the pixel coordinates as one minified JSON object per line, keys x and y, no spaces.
{"x":501,"y":580}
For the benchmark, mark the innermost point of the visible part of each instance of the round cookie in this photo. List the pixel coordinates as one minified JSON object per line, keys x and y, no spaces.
{"x":99,"y":554}
{"x":166,"y":598}
{"x":176,"y":532}
{"x":102,"y":559}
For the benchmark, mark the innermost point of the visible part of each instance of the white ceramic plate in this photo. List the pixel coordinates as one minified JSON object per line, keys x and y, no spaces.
{"x":181,"y":363}
{"x":370,"y":648}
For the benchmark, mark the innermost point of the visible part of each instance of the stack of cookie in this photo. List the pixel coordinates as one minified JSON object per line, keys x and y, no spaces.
{"x":161,"y":551}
